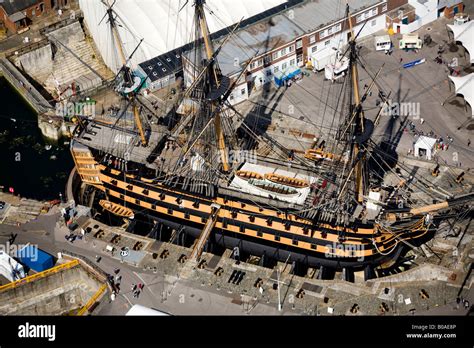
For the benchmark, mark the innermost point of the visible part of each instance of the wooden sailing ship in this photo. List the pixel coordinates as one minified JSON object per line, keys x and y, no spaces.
{"x":192,"y":188}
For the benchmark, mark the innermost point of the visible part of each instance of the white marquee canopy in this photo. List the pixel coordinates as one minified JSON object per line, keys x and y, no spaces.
{"x":464,"y":33}
{"x":464,"y":85}
{"x":160,"y":23}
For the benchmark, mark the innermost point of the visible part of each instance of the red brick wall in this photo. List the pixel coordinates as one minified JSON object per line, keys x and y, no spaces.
{"x":29,"y":14}
{"x":4,"y":18}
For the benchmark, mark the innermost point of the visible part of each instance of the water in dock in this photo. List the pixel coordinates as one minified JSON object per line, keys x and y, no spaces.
{"x":28,"y":164}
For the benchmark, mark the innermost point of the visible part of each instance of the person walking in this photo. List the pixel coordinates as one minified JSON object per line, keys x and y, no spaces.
{"x":422,"y":120}
{"x":468,"y":142}
{"x":134,"y":287}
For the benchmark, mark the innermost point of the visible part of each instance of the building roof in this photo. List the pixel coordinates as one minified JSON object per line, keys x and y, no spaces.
{"x":283,"y":28}
{"x":448,"y":3}
{"x":465,"y":86}
{"x":18,"y":16}
{"x":464,"y":33}
{"x":403,"y":10}
{"x":13,"y":6}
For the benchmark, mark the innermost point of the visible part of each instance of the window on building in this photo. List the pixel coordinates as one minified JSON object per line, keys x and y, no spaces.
{"x":260,"y":62}
{"x":329,"y":31}
{"x":327,"y":43}
{"x":323,"y":34}
{"x":275,"y":69}
{"x":374,"y":11}
{"x":299,"y":43}
{"x":314,"y":49}
{"x":231,"y":97}
{"x":252,"y":65}
{"x":269,"y":73}
{"x":283,"y":66}
{"x":275,"y":55}
{"x":359,"y":18}
{"x":312,"y":39}
{"x":337,"y":27}
{"x":384,"y":8}
{"x":267,"y":59}
{"x":283,"y":52}
{"x":373,"y":23}
{"x":242,"y":91}
{"x":292,"y":62}
{"x":291,"y":48}
{"x":41,"y":7}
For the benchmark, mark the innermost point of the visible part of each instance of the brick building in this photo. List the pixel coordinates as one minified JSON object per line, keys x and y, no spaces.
{"x":18,"y":15}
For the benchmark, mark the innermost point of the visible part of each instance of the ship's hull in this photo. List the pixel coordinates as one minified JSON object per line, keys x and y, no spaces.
{"x":271,"y":250}
{"x":255,"y":228}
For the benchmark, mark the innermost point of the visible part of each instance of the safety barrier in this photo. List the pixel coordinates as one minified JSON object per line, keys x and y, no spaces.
{"x":39,"y":275}
{"x":92,"y":300}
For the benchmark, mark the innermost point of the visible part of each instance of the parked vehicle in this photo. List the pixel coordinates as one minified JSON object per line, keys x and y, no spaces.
{"x":35,"y":258}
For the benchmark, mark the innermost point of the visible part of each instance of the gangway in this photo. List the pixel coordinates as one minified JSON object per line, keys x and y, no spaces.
{"x":205,"y":233}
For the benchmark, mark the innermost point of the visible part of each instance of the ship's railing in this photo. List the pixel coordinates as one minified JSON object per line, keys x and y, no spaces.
{"x":40,"y":275}
{"x":95,"y":270}
{"x":92,"y":300}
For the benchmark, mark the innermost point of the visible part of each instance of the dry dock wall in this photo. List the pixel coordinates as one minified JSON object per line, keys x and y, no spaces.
{"x":24,"y":87}
{"x":55,"y":294}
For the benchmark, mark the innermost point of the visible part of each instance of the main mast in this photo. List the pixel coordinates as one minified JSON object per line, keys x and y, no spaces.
{"x":359,"y":117}
{"x":215,"y":79}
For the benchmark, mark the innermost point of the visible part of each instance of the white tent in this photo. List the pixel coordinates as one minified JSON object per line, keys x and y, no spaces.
{"x":9,"y":268}
{"x":426,"y":145}
{"x":160,"y":23}
{"x":145,"y":311}
{"x":464,"y":33}
{"x":464,"y":85}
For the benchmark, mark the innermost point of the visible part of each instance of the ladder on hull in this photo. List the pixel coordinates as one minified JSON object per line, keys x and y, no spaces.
{"x":205,"y":233}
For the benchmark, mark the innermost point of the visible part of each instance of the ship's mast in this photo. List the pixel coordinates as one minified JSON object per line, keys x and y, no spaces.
{"x":359,"y":119}
{"x":215,"y":75}
{"x":113,"y":26}
{"x":128,"y":78}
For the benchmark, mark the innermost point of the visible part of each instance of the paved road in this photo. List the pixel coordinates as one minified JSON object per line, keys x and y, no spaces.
{"x":161,"y":291}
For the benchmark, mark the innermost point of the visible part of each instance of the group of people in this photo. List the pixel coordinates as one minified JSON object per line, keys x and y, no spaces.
{"x":117,"y":280}
{"x":137,"y":288}
{"x":464,"y":302}
{"x":441,"y":144}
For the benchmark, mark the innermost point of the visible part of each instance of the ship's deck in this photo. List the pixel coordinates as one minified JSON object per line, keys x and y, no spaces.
{"x":121,"y":142}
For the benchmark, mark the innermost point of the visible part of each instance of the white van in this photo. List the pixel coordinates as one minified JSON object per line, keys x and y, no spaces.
{"x":383,"y":43}
{"x":410,"y":41}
